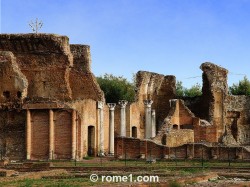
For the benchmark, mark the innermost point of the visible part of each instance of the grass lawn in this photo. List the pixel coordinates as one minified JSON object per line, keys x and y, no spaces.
{"x":160,"y":164}
{"x":73,"y":182}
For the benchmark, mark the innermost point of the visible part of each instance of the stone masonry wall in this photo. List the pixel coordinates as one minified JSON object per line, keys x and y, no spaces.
{"x":43,"y":71}
{"x":158,"y":88}
{"x":12,"y":136}
{"x":237,"y":120}
{"x":15,"y":83}
{"x":134,"y":148}
{"x":214,"y":92}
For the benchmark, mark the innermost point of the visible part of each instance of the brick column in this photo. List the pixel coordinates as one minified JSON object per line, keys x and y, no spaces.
{"x":123,"y":104}
{"x":73,"y":134}
{"x":148,"y":125}
{"x":111,"y":127}
{"x":28,"y":135}
{"x":153,"y":123}
{"x":51,"y":135}
{"x":100,"y":129}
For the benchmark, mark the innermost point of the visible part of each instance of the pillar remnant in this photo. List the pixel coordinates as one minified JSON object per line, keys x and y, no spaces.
{"x":73,"y":134}
{"x":148,"y":125}
{"x":101,"y":130}
{"x":123,"y":104}
{"x":51,"y":135}
{"x":28,"y":135}
{"x":111,"y":127}
{"x":153,"y":123}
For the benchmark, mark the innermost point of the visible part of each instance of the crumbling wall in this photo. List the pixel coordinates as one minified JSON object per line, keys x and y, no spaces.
{"x":181,"y":118}
{"x":82,"y":82}
{"x":43,"y":70}
{"x":214,"y":93}
{"x":194,"y":104}
{"x":45,"y":60}
{"x":81,"y":56}
{"x":204,"y":131}
{"x":135,"y":148}
{"x":158,"y":88}
{"x":237,"y":120}
{"x":14,"y":84}
{"x":178,"y":137}
{"x":12,"y":136}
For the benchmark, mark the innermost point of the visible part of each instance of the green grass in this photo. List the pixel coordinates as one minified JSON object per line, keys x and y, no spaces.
{"x":159,"y":164}
{"x":88,"y":158}
{"x":74,"y":182}
{"x":174,"y":184}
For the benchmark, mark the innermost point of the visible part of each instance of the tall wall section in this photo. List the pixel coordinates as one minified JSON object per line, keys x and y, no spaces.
{"x":158,"y":88}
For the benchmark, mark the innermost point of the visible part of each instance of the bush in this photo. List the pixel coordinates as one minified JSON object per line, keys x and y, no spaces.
{"x":242,"y":88}
{"x":116,"y":88}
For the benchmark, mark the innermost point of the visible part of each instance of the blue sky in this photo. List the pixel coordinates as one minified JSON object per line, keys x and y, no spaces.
{"x":170,"y":37}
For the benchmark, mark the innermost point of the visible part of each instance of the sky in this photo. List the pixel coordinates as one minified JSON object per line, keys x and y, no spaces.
{"x":170,"y":37}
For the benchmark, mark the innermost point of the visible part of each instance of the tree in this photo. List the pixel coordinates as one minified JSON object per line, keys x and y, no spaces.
{"x":181,"y":91}
{"x":242,"y":88}
{"x":195,"y":90}
{"x":116,"y":88}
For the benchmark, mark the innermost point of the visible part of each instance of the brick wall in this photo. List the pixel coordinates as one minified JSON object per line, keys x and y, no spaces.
{"x":12,"y":134}
{"x":63,"y":136}
{"x":134,"y":148}
{"x":40,"y":134}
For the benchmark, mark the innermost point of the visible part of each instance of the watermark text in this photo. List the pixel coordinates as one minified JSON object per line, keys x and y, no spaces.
{"x":125,"y":178}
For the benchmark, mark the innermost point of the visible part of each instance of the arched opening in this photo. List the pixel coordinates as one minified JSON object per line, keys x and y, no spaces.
{"x":6,"y":94}
{"x":134,"y":132}
{"x":175,"y":126}
{"x":91,"y":140}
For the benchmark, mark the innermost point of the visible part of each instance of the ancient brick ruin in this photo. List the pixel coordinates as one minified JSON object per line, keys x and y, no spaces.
{"x":51,"y":107}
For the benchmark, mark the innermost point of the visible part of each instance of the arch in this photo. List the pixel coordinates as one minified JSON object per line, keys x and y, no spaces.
{"x":175,"y":127}
{"x":6,"y":94}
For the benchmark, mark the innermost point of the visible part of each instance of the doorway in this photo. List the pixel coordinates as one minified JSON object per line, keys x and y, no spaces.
{"x":91,"y":140}
{"x":134,"y":132}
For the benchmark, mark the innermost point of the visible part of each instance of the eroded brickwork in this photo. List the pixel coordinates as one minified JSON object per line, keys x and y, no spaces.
{"x":158,"y":88}
{"x":39,"y":73}
{"x":135,"y":148}
{"x":51,"y":107}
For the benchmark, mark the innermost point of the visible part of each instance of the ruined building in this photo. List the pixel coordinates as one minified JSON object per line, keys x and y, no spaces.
{"x":47,"y":93}
{"x":51,"y":106}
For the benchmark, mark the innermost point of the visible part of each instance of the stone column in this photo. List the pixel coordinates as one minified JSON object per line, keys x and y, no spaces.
{"x":73,"y":134}
{"x":51,"y":135}
{"x":111,"y":127}
{"x":28,"y":134}
{"x":153,"y":122}
{"x":123,"y":104}
{"x":101,"y":128}
{"x":81,"y":138}
{"x":148,"y":125}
